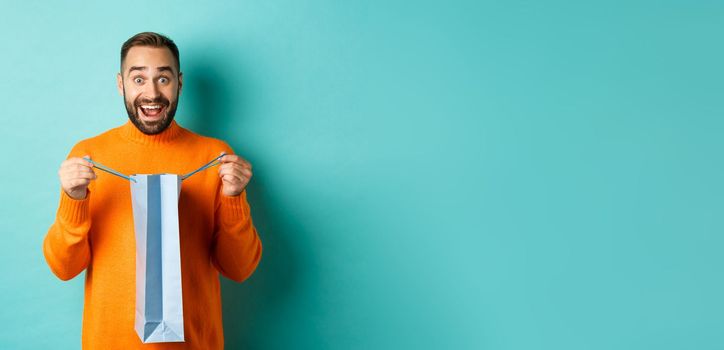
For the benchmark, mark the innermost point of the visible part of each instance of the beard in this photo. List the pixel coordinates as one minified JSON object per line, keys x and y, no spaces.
{"x":155,"y":127}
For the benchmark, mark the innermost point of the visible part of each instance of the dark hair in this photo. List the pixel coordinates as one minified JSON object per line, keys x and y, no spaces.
{"x":153,"y":40}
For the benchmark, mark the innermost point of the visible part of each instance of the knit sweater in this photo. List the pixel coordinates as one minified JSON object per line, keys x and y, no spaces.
{"x":96,"y":234}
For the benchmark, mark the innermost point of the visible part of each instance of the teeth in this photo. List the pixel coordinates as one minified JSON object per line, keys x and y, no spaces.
{"x":151,"y":107}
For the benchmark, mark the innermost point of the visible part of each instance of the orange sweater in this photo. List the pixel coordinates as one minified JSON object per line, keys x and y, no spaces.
{"x":97,"y":234}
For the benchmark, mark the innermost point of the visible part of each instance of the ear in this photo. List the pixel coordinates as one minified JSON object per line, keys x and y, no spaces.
{"x":119,"y":82}
{"x":180,"y":82}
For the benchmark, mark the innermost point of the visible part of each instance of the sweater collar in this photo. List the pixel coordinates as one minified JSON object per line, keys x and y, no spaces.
{"x":131,"y":132}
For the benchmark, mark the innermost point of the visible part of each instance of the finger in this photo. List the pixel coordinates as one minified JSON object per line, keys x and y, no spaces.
{"x":73,"y":166}
{"x":231,"y":172}
{"x":233,"y":158}
{"x":232,"y":181}
{"x":242,"y":174}
{"x":78,"y":161}
{"x":229,"y":158}
{"x":244,"y":162}
{"x":235,"y":166}
{"x":79,"y":175}
{"x":85,"y":175}
{"x":78,"y":182}
{"x":240,"y":167}
{"x":231,"y":178}
{"x":76,"y":168}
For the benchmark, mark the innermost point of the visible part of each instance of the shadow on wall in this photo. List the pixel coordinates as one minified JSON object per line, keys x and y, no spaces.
{"x":216,"y":102}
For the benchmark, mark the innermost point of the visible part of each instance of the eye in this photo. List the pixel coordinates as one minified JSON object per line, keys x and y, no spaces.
{"x":163,"y":80}
{"x":138,"y":80}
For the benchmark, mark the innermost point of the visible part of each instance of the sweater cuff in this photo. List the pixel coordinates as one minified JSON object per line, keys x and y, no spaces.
{"x":233,"y":207}
{"x":74,"y":212}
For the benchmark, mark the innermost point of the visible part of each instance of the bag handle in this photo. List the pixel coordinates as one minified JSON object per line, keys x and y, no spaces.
{"x":109,"y":170}
{"x":210,"y":164}
{"x":100,"y":166}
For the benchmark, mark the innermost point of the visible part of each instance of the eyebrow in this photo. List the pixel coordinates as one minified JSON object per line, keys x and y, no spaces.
{"x":143,"y":68}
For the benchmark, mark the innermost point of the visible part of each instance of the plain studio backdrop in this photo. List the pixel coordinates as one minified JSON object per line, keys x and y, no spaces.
{"x":427,"y":175}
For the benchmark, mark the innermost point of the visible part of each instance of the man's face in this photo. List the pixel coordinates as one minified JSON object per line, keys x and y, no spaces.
{"x":150,"y":84}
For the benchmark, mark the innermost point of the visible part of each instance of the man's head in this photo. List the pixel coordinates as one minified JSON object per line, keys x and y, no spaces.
{"x":150,"y":81}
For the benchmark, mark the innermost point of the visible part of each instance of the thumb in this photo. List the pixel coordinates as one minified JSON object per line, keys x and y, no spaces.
{"x":87,"y":157}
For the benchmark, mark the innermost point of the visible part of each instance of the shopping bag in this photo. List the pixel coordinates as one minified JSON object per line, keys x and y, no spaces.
{"x":159,"y":299}
{"x":159,"y":296}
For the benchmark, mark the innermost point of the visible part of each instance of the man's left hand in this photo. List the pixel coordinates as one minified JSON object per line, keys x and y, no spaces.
{"x":235,"y":173}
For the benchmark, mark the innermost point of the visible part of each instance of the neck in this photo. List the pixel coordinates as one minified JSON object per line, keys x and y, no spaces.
{"x":168,"y":135}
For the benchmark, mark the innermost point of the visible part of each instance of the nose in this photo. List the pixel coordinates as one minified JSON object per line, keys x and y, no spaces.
{"x":152,"y":91}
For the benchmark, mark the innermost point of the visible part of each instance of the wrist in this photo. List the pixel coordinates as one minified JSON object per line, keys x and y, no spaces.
{"x":78,"y":195}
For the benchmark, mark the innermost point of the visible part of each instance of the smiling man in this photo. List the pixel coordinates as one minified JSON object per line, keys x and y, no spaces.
{"x":94,"y":231}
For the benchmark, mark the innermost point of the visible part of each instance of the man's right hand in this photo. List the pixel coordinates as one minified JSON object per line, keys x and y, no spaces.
{"x":75,"y":176}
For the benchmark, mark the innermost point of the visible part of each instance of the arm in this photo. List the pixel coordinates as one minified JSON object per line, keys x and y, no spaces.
{"x":236,"y":244}
{"x":236,"y":247}
{"x":66,"y":247}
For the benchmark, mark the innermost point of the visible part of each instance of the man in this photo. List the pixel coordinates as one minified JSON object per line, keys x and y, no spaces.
{"x":94,"y":228}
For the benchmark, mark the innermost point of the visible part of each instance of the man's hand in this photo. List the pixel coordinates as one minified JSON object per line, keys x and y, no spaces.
{"x":75,"y":176}
{"x":235,"y":173}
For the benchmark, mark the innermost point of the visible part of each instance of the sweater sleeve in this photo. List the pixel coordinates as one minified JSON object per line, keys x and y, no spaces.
{"x":237,"y":247}
{"x":66,"y":247}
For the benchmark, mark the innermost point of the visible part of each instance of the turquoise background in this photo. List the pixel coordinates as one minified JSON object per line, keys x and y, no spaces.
{"x":428,"y":175}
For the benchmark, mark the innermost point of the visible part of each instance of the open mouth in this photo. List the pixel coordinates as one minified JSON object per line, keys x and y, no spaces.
{"x":151,"y":112}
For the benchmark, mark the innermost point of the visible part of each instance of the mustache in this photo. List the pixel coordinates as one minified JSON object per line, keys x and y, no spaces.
{"x":158,"y":100}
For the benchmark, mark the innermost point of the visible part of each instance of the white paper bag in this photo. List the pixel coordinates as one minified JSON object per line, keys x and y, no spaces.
{"x":159,"y":301}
